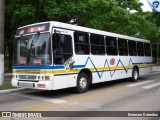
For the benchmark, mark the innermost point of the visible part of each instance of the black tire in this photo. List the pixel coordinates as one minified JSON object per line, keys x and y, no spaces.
{"x":82,"y":83}
{"x":135,"y":75}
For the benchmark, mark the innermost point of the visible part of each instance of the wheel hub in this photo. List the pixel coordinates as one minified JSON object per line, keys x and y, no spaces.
{"x":83,"y":82}
{"x":135,"y":75}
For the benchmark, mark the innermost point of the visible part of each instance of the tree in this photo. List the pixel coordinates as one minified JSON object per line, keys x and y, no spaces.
{"x":108,"y":15}
{"x":2,"y":41}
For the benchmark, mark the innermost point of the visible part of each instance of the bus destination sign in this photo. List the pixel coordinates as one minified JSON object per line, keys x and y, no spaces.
{"x":33,"y":29}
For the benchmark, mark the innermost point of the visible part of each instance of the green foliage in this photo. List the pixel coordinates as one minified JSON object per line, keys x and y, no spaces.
{"x":7,"y":85}
{"x":108,"y":15}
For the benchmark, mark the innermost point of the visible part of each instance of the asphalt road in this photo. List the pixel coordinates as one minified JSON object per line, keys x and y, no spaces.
{"x":120,"y":95}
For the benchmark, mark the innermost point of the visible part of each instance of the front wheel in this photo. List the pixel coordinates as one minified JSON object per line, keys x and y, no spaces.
{"x":134,"y":75}
{"x":82,"y":83}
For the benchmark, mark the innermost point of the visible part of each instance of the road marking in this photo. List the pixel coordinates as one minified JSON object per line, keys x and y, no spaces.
{"x":75,"y":99}
{"x":95,"y":94}
{"x":151,"y":86}
{"x":140,"y":83}
{"x":52,"y":100}
{"x":41,"y":107}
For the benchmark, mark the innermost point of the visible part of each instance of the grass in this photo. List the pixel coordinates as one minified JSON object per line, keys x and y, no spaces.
{"x":6,"y":85}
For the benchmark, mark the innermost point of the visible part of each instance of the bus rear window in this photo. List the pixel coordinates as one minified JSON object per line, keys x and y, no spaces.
{"x":111,"y":45}
{"x":147,"y":49}
{"x":140,"y":49}
{"x":97,"y":44}
{"x":122,"y":45}
{"x":132,"y":48}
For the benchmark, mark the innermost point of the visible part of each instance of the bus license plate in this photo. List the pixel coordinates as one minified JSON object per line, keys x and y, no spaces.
{"x":27,"y":85}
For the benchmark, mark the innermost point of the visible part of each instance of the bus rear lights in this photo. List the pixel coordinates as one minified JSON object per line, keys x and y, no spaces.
{"x":41,"y":85}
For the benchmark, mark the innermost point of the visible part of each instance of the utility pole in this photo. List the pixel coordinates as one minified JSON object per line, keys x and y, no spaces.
{"x":1,"y":41}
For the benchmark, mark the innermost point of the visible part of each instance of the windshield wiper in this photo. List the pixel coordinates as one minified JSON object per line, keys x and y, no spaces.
{"x":31,"y":45}
{"x":35,"y":39}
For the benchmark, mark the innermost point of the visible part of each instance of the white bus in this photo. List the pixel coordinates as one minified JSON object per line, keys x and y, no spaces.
{"x":54,"y":55}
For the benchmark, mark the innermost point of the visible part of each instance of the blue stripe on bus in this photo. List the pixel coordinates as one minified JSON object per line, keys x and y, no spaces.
{"x":112,"y":73}
{"x":45,"y":67}
{"x":78,"y":66}
{"x":149,"y":62}
{"x":38,"y":67}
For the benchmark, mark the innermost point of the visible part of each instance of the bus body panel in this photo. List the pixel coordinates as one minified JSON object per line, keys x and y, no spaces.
{"x":102,"y":67}
{"x":122,"y":68}
{"x":41,"y":84}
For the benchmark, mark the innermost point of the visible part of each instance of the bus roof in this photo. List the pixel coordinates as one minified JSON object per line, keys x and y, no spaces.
{"x":85,"y":29}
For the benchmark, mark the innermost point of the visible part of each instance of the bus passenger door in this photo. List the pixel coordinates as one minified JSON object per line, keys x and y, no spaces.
{"x":62,"y":53}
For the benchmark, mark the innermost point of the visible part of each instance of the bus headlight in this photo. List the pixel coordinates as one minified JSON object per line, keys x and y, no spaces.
{"x":47,"y":77}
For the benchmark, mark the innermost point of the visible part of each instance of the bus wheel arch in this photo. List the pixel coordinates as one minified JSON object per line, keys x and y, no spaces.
{"x":83,"y":80}
{"x":135,"y":73}
{"x":89,"y":74}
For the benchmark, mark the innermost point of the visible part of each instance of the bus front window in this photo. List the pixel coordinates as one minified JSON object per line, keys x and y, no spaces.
{"x":32,"y":50}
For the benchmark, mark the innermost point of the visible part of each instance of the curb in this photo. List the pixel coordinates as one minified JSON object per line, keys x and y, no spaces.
{"x":10,"y":90}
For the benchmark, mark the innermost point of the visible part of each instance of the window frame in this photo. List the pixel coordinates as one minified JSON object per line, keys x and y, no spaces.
{"x":148,"y":50}
{"x":138,"y":50}
{"x":99,"y":46}
{"x":132,"y":48}
{"x":114,"y":48}
{"x":124,"y":50}
{"x":81,"y":44}
{"x":53,"y":46}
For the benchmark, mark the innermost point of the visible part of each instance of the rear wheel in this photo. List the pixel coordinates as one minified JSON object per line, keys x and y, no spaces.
{"x":82,"y":83}
{"x":135,"y":75}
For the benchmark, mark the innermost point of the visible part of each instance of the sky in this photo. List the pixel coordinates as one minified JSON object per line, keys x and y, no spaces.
{"x":146,"y":6}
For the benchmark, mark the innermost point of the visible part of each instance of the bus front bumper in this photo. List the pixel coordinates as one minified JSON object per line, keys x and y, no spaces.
{"x":45,"y":85}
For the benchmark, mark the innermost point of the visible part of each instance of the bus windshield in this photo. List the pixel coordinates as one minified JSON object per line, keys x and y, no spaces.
{"x":32,"y":50}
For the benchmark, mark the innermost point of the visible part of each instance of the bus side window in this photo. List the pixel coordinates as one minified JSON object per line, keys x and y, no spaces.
{"x":132,"y":48}
{"x":147,"y":49}
{"x":111,"y":45}
{"x":62,"y":48}
{"x":140,"y":49}
{"x":97,"y":44}
{"x":122,"y":45}
{"x":81,"y":42}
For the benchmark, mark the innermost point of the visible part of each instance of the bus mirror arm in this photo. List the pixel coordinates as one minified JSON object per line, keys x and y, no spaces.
{"x":55,"y":31}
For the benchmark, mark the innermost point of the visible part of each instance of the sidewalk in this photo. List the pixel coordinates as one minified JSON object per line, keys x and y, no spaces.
{"x":7,"y":77}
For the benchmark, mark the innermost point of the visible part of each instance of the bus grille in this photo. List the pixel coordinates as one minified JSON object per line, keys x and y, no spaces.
{"x":27,"y":77}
